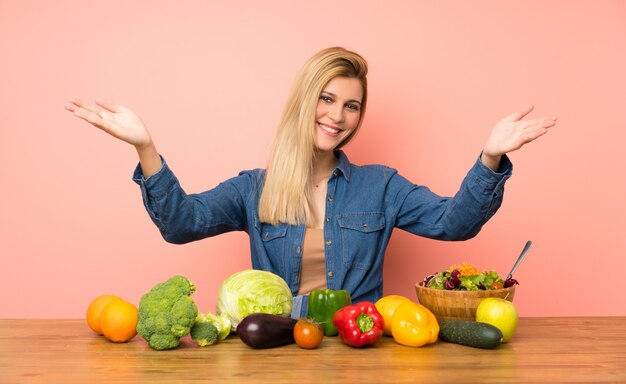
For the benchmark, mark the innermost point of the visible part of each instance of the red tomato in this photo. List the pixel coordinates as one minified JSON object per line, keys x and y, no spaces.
{"x":496,"y":285}
{"x":308,"y":333}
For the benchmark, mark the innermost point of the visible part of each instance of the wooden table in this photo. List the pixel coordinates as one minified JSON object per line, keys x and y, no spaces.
{"x":577,"y":349}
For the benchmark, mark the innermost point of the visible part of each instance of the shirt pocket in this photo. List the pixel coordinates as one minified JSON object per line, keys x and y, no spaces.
{"x":361,"y":234}
{"x":273,"y":241}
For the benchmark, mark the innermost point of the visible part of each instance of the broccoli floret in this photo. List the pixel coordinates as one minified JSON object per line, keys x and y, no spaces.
{"x":221,"y":322}
{"x":204,"y":333}
{"x":167,"y":313}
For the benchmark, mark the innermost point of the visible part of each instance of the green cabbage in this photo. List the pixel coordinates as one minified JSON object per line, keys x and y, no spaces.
{"x":253,"y":291}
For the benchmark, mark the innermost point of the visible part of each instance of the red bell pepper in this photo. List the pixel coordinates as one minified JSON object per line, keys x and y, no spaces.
{"x":359,"y":324}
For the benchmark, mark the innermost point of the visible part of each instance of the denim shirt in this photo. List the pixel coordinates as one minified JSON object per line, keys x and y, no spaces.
{"x":363,"y":206}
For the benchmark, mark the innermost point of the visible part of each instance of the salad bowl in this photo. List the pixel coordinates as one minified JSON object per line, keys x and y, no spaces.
{"x":456,"y":304}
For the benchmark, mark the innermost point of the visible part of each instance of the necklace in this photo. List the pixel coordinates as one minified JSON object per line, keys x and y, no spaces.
{"x":317,"y":184}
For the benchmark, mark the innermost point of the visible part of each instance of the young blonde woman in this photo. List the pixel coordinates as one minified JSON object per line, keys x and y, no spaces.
{"x":312,"y":217}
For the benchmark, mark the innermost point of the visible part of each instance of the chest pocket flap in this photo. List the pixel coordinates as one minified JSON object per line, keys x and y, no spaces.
{"x":363,"y":222}
{"x":271,"y":232}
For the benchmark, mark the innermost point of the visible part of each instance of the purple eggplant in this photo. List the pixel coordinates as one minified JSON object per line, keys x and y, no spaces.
{"x":262,"y":330}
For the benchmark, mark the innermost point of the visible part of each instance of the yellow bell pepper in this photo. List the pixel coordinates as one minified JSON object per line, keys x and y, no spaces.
{"x":414,"y":325}
{"x":387,"y":305}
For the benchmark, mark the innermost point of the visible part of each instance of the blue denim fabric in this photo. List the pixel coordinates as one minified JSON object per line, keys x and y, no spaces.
{"x":363,"y":206}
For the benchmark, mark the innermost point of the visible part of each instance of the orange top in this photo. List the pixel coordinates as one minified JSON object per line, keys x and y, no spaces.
{"x":313,"y":271}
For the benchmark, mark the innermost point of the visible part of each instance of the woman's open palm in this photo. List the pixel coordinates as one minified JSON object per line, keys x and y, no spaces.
{"x":512,"y":132}
{"x":116,"y":120}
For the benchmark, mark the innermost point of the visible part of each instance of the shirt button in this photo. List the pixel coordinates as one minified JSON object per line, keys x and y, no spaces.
{"x":330,"y":199}
{"x":330,"y":274}
{"x":328,"y":242}
{"x":267,"y":234}
{"x":298,"y":250}
{"x":328,"y":219}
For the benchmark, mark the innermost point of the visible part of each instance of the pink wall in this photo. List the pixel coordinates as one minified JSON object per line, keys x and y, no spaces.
{"x":210,"y":79}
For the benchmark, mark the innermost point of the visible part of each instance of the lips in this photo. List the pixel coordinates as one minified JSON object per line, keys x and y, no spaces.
{"x":329,"y":129}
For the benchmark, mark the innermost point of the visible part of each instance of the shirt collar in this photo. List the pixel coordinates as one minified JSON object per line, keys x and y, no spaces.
{"x":343,"y":164}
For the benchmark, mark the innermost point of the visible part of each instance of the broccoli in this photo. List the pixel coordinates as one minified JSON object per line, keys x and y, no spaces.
{"x":203,"y":332}
{"x":167,"y":313}
{"x":221,"y":322}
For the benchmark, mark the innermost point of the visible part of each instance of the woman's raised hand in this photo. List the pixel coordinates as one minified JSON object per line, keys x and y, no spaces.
{"x":120,"y":122}
{"x":511,"y":133}
{"x":116,"y":120}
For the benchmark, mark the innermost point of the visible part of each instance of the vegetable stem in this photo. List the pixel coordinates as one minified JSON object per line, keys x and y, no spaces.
{"x":365,"y":322}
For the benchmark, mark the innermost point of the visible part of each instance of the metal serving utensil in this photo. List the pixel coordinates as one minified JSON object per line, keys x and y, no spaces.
{"x":519,"y":259}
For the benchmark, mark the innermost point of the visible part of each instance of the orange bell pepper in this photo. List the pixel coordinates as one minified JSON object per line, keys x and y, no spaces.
{"x":414,"y":325}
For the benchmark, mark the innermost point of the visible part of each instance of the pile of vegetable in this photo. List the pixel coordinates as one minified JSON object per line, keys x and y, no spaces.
{"x":466,"y":277}
{"x":257,"y":306}
{"x":167,"y":312}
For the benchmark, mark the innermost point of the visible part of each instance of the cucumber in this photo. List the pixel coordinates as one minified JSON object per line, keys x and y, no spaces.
{"x":470,"y":333}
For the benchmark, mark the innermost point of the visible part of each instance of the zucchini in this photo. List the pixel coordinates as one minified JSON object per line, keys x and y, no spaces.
{"x":471,"y":333}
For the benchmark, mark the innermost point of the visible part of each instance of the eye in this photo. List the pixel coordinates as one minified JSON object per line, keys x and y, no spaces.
{"x":353,"y":107}
{"x":326,"y":99}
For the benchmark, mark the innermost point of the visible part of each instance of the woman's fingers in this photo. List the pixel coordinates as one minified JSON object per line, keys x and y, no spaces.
{"x":98,"y":121}
{"x":95,"y":119}
{"x":87,"y":106}
{"x":92,"y":113}
{"x":108,"y":106}
{"x":89,"y":117}
{"x":114,"y":119}
{"x":73,"y":105}
{"x":517,"y":116}
{"x":513,"y":131}
{"x":535,"y":128}
{"x":549,"y":122}
{"x":542,"y":122}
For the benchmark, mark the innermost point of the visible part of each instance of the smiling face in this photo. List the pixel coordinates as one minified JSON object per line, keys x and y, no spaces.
{"x":338,"y":112}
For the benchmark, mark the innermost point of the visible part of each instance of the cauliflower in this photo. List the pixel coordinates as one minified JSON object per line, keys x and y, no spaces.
{"x":167,"y":313}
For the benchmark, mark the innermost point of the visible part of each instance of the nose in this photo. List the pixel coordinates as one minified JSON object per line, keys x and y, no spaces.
{"x":336,"y":113}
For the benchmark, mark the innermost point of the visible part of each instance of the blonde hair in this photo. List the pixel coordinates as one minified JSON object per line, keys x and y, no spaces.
{"x":287,"y":195}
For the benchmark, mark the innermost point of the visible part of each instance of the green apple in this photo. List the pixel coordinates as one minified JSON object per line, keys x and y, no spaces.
{"x":500,"y":313}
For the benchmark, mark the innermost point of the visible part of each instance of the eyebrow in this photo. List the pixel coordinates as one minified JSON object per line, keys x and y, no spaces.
{"x":333,"y":95}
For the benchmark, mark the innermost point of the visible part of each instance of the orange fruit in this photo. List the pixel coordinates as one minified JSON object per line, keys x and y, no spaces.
{"x":118,"y":321}
{"x":95,"y":308}
{"x":387,"y":305}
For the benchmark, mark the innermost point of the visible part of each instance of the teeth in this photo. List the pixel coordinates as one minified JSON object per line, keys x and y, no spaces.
{"x":329,"y":129}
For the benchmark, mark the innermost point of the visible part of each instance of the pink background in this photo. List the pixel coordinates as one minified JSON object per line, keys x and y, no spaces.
{"x":210,"y":79}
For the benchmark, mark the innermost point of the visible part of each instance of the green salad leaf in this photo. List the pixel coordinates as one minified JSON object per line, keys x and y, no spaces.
{"x":451,"y":280}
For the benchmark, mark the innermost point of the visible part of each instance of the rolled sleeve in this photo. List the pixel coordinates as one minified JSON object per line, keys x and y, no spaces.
{"x":158,"y":183}
{"x":155,"y":187}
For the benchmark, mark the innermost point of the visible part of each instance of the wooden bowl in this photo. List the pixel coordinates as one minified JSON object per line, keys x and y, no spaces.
{"x":457,"y":305}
